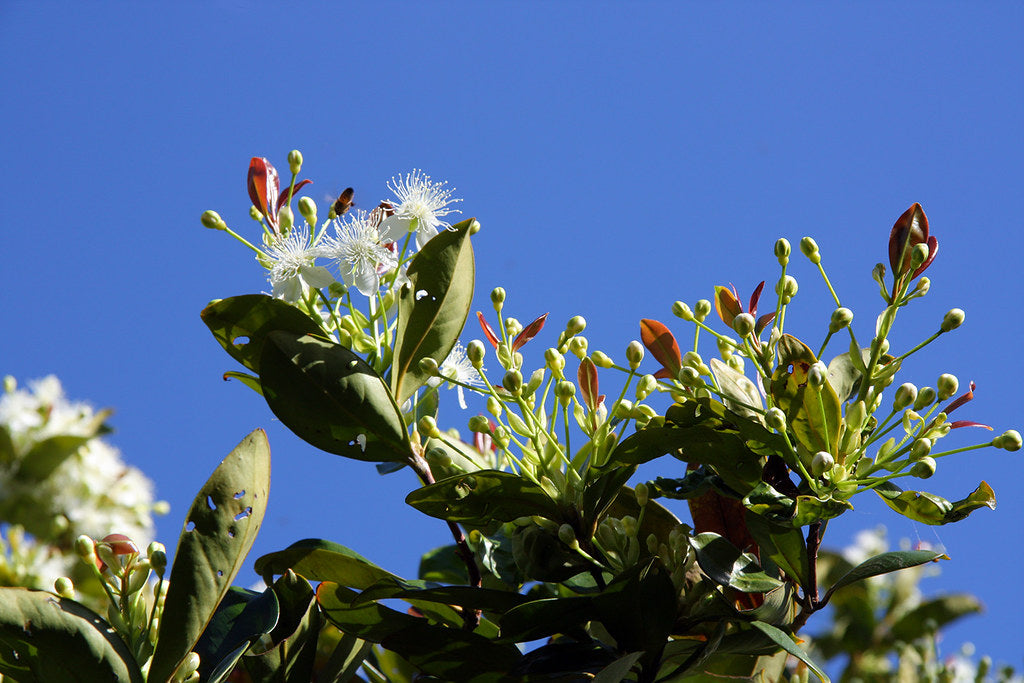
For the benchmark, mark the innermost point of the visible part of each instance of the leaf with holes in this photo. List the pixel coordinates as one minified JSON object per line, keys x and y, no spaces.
{"x":48,"y":638}
{"x":329,"y":397}
{"x":241,"y":324}
{"x":433,"y":307}
{"x":218,"y":533}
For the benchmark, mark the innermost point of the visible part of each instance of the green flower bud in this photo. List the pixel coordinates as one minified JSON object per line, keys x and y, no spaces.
{"x":567,"y":536}
{"x":474,"y":227}
{"x":918,"y":255}
{"x":645,"y":387}
{"x":743,"y":324}
{"x":1008,"y":440}
{"x":501,"y":436}
{"x":255,"y":214}
{"x":307,"y":207}
{"x":294,"y":161}
{"x":498,"y":298}
{"x":821,"y":463}
{"x":905,"y":396}
{"x":555,"y":361}
{"x":817,"y":375}
{"x":629,"y":525}
{"x":878,"y":274}
{"x":535,"y":381}
{"x":701,"y":310}
{"x":681,"y":310}
{"x":189,"y":666}
{"x":513,"y":327}
{"x":285,"y":218}
{"x":856,"y":414}
{"x":564,"y":392}
{"x":623,"y":409}
{"x":921,"y":448}
{"x":157,"y":555}
{"x":690,"y":377}
{"x":921,"y":288}
{"x":429,"y":366}
{"x":810,"y":249}
{"x":494,"y":406}
{"x":642,"y":494}
{"x":775,"y":419}
{"x":782,"y":250}
{"x":643,"y":412}
{"x":726,"y":347}
{"x":439,"y":458}
{"x":952,"y":320}
{"x":923,"y":468}
{"x":841,"y":318}
{"x":576,"y":324}
{"x":634,"y":354}
{"x":881,"y":344}
{"x":64,"y":588}
{"x":475,"y":352}
{"x":601,"y":359}
{"x":947,"y":385}
{"x":693,"y":359}
{"x":213,"y":221}
{"x":479,"y":424}
{"x":427,"y":426}
{"x":578,"y":347}
{"x":736,"y":363}
{"x":513,"y":382}
{"x":925,"y":397}
{"x":652,"y":544}
{"x":85,"y":548}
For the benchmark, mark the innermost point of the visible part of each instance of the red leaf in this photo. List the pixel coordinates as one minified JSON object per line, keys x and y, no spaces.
{"x":662,"y":345}
{"x":287,"y":196}
{"x":762,"y":322}
{"x":264,"y":187}
{"x":754,"y":298}
{"x":488,"y":332}
{"x":912,"y":226}
{"x":586,"y":377}
{"x":967,"y":423}
{"x":960,"y":400}
{"x":727,"y":304}
{"x":529,"y":332}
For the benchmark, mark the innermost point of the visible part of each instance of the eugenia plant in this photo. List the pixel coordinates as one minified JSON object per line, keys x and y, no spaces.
{"x":558,"y":569}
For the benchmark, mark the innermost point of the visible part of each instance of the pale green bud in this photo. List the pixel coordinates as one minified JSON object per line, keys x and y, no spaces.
{"x":513,"y":382}
{"x":504,"y":355}
{"x":501,"y":436}
{"x":629,"y":525}
{"x":652,"y":544}
{"x":157,"y":554}
{"x":497,"y":298}
{"x":494,"y":406}
{"x":578,"y":347}
{"x":925,"y":397}
{"x":947,"y":385}
{"x":689,"y":376}
{"x":701,"y":310}
{"x":736,"y":363}
{"x":474,"y":227}
{"x":841,"y":318}
{"x":624,"y":409}
{"x":643,"y":412}
{"x":743,"y":324}
{"x":726,"y":347}
{"x":307,"y":207}
{"x":786,"y":286}
{"x":285,"y":218}
{"x":681,"y":310}
{"x":923,"y":468}
{"x":918,"y":255}
{"x":921,"y":448}
{"x":782,"y":250}
{"x":513,"y":327}
{"x":429,"y":366}
{"x":693,"y":359}
{"x":1008,"y":440}
{"x":535,"y":381}
{"x":810,"y":249}
{"x":642,"y":494}
{"x":479,"y":424}
{"x":952,"y":320}
{"x":564,"y":392}
{"x":921,"y":288}
{"x":601,"y":359}
{"x":856,"y":414}
{"x":821,"y":463}
{"x":881,"y":344}
{"x":576,"y":324}
{"x":645,"y":387}
{"x":85,"y":548}
{"x":213,"y":221}
{"x":427,"y":426}
{"x":567,"y":536}
{"x":905,"y":397}
{"x":475,"y":352}
{"x":817,"y":375}
{"x":255,"y":214}
{"x":294,"y":161}
{"x":439,"y":459}
{"x":634,"y":354}
{"x":189,"y":666}
{"x":555,"y":361}
{"x":775,"y":419}
{"x":64,"y":587}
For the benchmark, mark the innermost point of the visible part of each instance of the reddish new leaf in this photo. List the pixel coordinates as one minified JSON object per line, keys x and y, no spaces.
{"x":662,"y":345}
{"x":727,"y":304}
{"x":912,"y":226}
{"x":264,"y":188}
{"x":967,"y":423}
{"x":754,"y":298}
{"x":960,"y":400}
{"x":287,"y":195}
{"x":488,"y":332}
{"x":586,"y":377}
{"x":529,"y":332}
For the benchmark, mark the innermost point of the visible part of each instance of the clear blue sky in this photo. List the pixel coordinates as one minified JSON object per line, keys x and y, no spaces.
{"x":620,"y":156}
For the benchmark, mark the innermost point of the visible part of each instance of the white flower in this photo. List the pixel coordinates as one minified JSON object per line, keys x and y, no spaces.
{"x":421,"y":204}
{"x":290,"y":260}
{"x":457,"y":367}
{"x":361,"y":257}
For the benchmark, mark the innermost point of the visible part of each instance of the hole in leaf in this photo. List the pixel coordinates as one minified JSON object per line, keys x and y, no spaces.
{"x":190,"y":526}
{"x":210,"y":504}
{"x":244,"y":513}
{"x":239,"y":494}
{"x":240,"y":341}
{"x":220,"y":573}
{"x":231,"y":533}
{"x":420,"y":294}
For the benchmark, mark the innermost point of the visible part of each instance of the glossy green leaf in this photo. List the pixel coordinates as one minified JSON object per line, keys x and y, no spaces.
{"x":319,"y":560}
{"x":433,"y":307}
{"x":786,"y":642}
{"x":330,"y":397}
{"x":727,"y":565}
{"x":739,"y":393}
{"x":219,"y":531}
{"x":844,"y":374}
{"x":601,"y":489}
{"x":814,"y":415}
{"x":784,"y":545}
{"x":931,"y":509}
{"x":482,"y":498}
{"x":810,"y":509}
{"x":883,"y":564}
{"x":47,"y":638}
{"x":240,"y":324}
{"x":241,"y":618}
{"x":546,"y":617}
{"x":293,"y":641}
{"x":248,"y":380}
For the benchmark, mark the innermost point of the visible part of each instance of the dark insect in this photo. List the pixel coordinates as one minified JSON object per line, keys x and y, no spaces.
{"x":344,"y":202}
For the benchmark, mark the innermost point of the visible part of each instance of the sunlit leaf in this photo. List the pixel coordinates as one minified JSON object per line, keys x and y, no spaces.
{"x":529,"y":332}
{"x":931,"y":509}
{"x":727,"y":565}
{"x":739,"y":393}
{"x":482,"y":498}
{"x":814,"y":415}
{"x":319,"y":560}
{"x":662,"y":345}
{"x":885,"y":563}
{"x":786,"y":642}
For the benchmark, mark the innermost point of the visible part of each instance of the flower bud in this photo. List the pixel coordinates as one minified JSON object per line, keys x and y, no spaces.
{"x":294,"y":161}
{"x":255,"y":214}
{"x":786,"y":286}
{"x":555,"y":361}
{"x":189,"y":666}
{"x":427,"y":426}
{"x":479,"y":424}
{"x":474,"y":227}
{"x":623,"y":409}
{"x":535,"y":381}
{"x":856,"y":414}
{"x":681,"y":310}
{"x":921,"y":288}
{"x":307,"y":207}
{"x":743,"y":324}
{"x":736,"y":363}
{"x":878,"y":274}
{"x":438,"y":458}
{"x":905,"y":396}
{"x":925,"y":397}
{"x":782,"y":250}
{"x":690,"y":377}
{"x":643,"y":494}
{"x":513,"y":327}
{"x":213,"y":221}
{"x":494,"y":406}
{"x":952,"y":320}
{"x":601,"y":359}
{"x":1008,"y":440}
{"x":498,"y":298}
{"x":947,"y":385}
{"x":645,"y":387}
{"x":701,"y":310}
{"x":85,"y":548}
{"x":918,"y":255}
{"x":567,"y":536}
{"x":285,"y":218}
{"x":817,"y":375}
{"x":501,"y":436}
{"x":428,"y":366}
{"x":841,"y":318}
{"x":923,"y":468}
{"x":578,"y":347}
{"x":513,"y":382}
{"x":921,"y":448}
{"x":775,"y":419}
{"x":475,"y":351}
{"x":821,"y":463}
{"x":576,"y":324}
{"x":810,"y":249}
{"x":64,"y":588}
{"x":564,"y":392}
{"x":634,"y":354}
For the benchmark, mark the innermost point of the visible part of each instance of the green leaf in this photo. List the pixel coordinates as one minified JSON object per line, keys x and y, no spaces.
{"x":482,"y":498}
{"x":814,"y":415}
{"x":218,"y":533}
{"x":330,"y":397}
{"x":784,"y":545}
{"x":883,"y":564}
{"x":844,"y":375}
{"x":931,"y":509}
{"x":293,"y":641}
{"x":787,"y":643}
{"x":241,"y":617}
{"x":727,"y":565}
{"x":810,"y":509}
{"x":433,"y":307}
{"x":46,"y":638}
{"x":739,"y":394}
{"x":933,"y":615}
{"x":241,"y":324}
{"x":617,"y":671}
{"x":319,"y":560}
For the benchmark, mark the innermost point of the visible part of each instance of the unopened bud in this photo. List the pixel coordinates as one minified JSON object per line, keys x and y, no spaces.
{"x":513,"y":382}
{"x":601,"y":359}
{"x":188,"y":666}
{"x":623,"y":409}
{"x":294,"y":161}
{"x":1008,"y":440}
{"x":64,"y":588}
{"x":925,"y":397}
{"x":157,"y":554}
{"x":494,"y":406}
{"x":307,"y":207}
{"x":479,"y":424}
{"x":578,"y":347}
{"x":634,"y":354}
{"x":439,"y":458}
{"x":743,"y":324}
{"x":821,"y":463}
{"x":213,"y":221}
{"x":536,"y":379}
{"x":841,"y":318}
{"x":952,"y":320}
{"x":681,"y":310}
{"x":555,"y":361}
{"x":576,"y":324}
{"x":690,"y":377}
{"x":498,"y":298}
{"x":427,"y":426}
{"x":775,"y":419}
{"x":856,"y":414}
{"x":817,"y":375}
{"x":474,"y":227}
{"x":475,"y":351}
{"x":513,"y":327}
{"x":701,"y":310}
{"x":428,"y":366}
{"x":642,"y":494}
{"x":564,"y":392}
{"x":85,"y":548}
{"x":921,"y":288}
{"x":918,"y":255}
{"x":787,"y":286}
{"x":567,"y":536}
{"x":285,"y":218}
{"x":255,"y":214}
{"x":810,"y":249}
{"x":947,"y":385}
{"x":645,"y":387}
{"x":905,"y":397}
{"x":782,"y":250}
{"x":921,"y":448}
{"x":923,"y":468}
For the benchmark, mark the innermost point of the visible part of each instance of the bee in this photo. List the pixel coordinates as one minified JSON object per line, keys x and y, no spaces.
{"x":343,"y":203}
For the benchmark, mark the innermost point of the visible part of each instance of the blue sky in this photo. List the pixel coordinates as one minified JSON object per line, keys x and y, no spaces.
{"x":619,"y":156}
